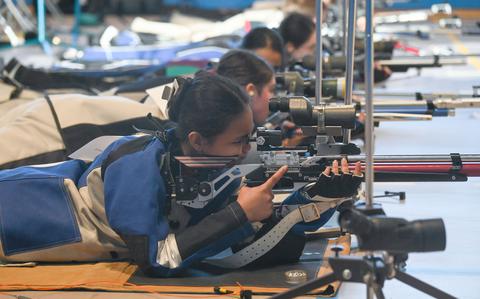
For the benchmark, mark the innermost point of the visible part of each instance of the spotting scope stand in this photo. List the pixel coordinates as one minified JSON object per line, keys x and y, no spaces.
{"x":370,"y":270}
{"x":387,"y":242}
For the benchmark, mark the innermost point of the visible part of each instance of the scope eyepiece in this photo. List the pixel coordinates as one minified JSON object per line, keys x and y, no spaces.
{"x":303,"y":113}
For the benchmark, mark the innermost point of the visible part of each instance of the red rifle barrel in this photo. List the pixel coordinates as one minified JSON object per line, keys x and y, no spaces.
{"x":469,"y":169}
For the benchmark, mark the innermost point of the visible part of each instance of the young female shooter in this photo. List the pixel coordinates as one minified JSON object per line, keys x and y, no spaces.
{"x":126,"y":203}
{"x":257,"y":77}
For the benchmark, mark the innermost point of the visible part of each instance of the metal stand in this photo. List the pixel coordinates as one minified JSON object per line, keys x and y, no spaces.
{"x":76,"y":25}
{"x":344,"y":27}
{"x":370,"y":270}
{"x":352,"y":12}
{"x":400,"y":195}
{"x":374,"y":209}
{"x":42,"y":26}
{"x":369,"y":124}
{"x":318,"y":53}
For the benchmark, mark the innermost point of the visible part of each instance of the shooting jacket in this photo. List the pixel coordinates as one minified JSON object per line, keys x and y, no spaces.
{"x":116,"y":207}
{"x":49,"y":129}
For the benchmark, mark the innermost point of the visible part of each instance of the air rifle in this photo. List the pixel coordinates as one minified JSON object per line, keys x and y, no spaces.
{"x":382,"y":48}
{"x":403,"y":64}
{"x":437,"y":107}
{"x":422,"y":95}
{"x":320,"y":123}
{"x":305,"y":168}
{"x":332,"y":64}
{"x":388,"y":110}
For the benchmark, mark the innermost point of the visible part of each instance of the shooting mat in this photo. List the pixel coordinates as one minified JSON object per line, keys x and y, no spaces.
{"x":123,"y":276}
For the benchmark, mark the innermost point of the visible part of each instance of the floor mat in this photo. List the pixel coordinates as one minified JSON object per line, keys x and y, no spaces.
{"x":123,"y":276}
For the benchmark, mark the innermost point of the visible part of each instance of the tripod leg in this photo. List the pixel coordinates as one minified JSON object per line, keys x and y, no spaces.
{"x":306,"y":287}
{"x":378,"y":292}
{"x":369,"y":292}
{"x":422,"y":286}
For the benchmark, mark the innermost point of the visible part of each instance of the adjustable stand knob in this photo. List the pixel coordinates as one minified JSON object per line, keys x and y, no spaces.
{"x":337,"y":249}
{"x":204,"y":189}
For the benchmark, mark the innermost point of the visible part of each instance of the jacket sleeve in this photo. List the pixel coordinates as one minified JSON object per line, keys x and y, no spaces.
{"x":135,"y":204}
{"x":210,"y":228}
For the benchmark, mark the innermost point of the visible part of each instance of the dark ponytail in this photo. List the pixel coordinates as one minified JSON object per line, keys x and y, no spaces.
{"x":177,"y":101}
{"x":244,"y":67}
{"x":206,"y":104}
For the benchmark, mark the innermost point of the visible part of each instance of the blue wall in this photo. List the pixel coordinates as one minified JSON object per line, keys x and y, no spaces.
{"x":419,"y":4}
{"x":211,"y":4}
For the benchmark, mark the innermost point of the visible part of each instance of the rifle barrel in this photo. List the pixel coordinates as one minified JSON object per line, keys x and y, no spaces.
{"x":457,"y":103}
{"x":386,"y":168}
{"x":430,"y":61}
{"x":465,"y":164}
{"x":416,"y":95}
{"x":469,"y":169}
{"x":438,"y":107}
{"x":387,"y":116}
{"x":405,"y":158}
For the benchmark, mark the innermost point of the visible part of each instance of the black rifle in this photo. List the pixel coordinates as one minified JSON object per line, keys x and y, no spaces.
{"x":399,"y":64}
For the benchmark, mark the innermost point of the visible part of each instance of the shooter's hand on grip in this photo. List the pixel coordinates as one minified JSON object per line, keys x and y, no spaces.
{"x":337,"y":182}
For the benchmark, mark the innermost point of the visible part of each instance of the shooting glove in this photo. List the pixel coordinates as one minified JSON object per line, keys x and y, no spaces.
{"x":333,"y":185}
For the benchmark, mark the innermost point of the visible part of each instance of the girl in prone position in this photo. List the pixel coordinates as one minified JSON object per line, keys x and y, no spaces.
{"x":120,"y":205}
